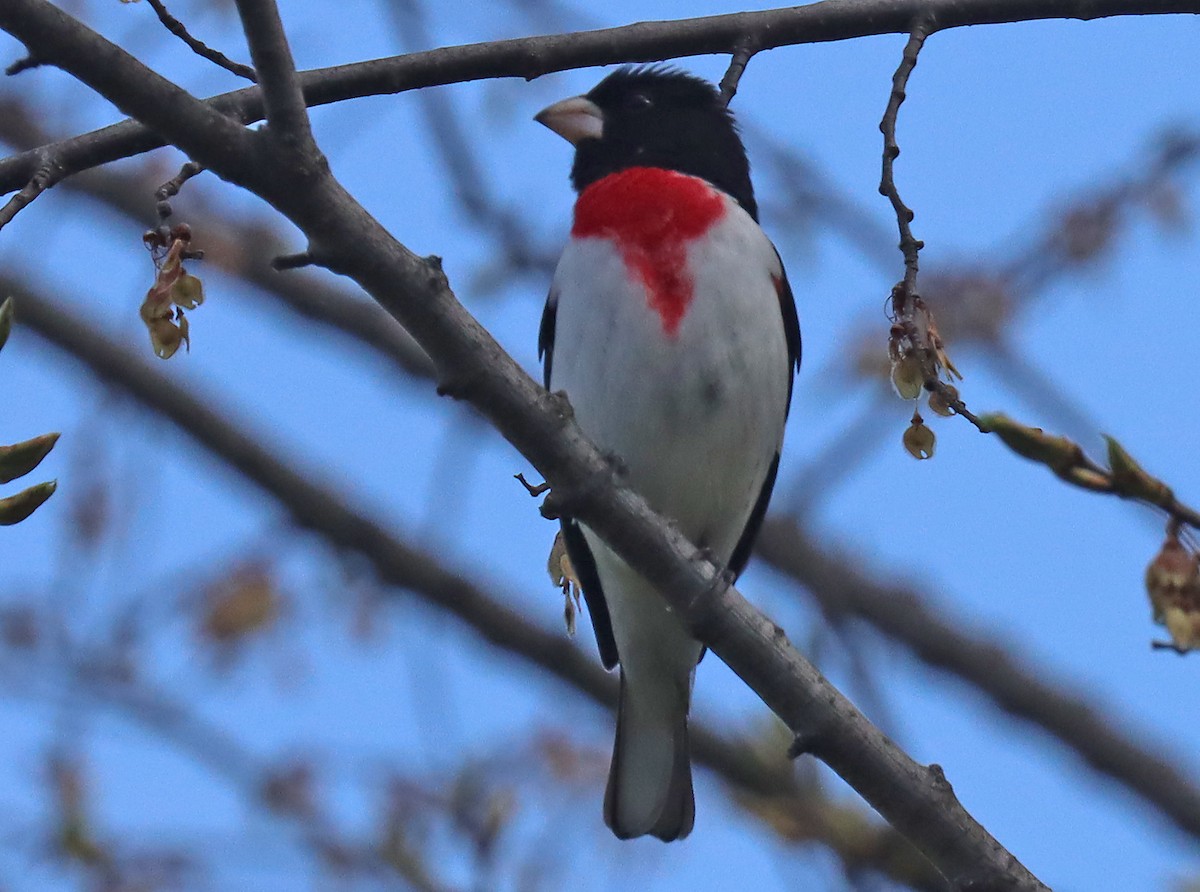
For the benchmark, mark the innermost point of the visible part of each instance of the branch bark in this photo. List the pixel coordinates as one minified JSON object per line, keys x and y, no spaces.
{"x":916,"y":800}
{"x":768,"y":788}
{"x":842,"y":590}
{"x":901,"y":613}
{"x":531,"y":57}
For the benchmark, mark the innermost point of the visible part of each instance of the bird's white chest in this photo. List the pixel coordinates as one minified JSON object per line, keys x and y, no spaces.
{"x":688,"y":388}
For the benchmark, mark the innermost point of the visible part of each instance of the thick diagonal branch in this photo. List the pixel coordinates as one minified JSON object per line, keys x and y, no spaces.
{"x":842,"y":590}
{"x":916,"y":800}
{"x":766,"y":785}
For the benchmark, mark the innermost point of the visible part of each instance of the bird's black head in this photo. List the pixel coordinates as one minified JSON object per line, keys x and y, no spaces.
{"x":654,"y":117}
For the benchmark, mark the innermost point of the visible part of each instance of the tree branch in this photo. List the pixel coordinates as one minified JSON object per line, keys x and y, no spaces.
{"x":43,"y":178}
{"x":765,"y":787}
{"x":531,"y":57}
{"x":901,"y":614}
{"x":287,"y":116}
{"x":841,"y":589}
{"x":198,"y":47}
{"x":66,"y":43}
{"x":916,"y":800}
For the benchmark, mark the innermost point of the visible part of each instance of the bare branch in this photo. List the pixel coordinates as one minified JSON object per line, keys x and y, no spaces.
{"x":531,"y":57}
{"x":909,"y":246}
{"x":43,"y":178}
{"x":765,"y":787}
{"x":25,"y":63}
{"x":737,"y":67}
{"x":842,"y":589}
{"x":287,"y":115}
{"x":168,"y":190}
{"x":916,"y":800}
{"x":198,"y":47}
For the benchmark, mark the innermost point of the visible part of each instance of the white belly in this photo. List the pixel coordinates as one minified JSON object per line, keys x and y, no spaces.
{"x":696,"y":417}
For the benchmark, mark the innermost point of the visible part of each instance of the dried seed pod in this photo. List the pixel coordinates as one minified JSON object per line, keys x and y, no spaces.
{"x":939,"y":400}
{"x":919,"y":440}
{"x":907,"y":377}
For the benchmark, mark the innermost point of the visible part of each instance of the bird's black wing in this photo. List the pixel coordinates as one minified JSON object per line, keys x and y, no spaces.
{"x":577,"y":548}
{"x":791,"y":326}
{"x":585,"y":571}
{"x":791,"y":332}
{"x":546,"y":336}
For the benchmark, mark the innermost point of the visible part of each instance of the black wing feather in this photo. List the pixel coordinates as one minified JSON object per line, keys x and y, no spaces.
{"x":546,"y":335}
{"x":791,"y":327}
{"x":577,"y":548}
{"x":791,"y":332}
{"x":585,"y":571}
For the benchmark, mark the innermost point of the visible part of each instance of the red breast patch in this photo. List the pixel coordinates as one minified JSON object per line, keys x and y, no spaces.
{"x":652,"y":214}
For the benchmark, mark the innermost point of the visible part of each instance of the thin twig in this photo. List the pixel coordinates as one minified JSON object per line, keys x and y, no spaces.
{"x":909,"y":245}
{"x":45,"y":177}
{"x":25,"y":63}
{"x":742,"y":53}
{"x":287,"y":115}
{"x":1123,"y":477}
{"x":168,"y":190}
{"x":914,"y":338}
{"x":198,"y":47}
{"x":312,"y":505}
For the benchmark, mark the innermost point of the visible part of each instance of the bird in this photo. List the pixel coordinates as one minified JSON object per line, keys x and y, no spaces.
{"x":671,"y":328}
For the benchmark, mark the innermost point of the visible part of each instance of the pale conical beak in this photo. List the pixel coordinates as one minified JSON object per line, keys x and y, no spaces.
{"x":574,"y":119}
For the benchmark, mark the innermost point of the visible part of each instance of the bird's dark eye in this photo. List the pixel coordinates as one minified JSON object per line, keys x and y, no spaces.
{"x":640,"y":101}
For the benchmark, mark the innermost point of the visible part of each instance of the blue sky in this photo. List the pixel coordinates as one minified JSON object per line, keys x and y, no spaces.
{"x":1003,"y":126}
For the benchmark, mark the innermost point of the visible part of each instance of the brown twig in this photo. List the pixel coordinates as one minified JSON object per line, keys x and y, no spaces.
{"x":914,"y":343}
{"x":25,"y":63}
{"x":168,"y":190}
{"x":737,"y":67}
{"x":471,"y":365}
{"x":909,"y":245}
{"x":46,"y":176}
{"x":198,"y":47}
{"x":1013,"y":681}
{"x":769,"y":786}
{"x":534,"y":489}
{"x":1123,"y":477}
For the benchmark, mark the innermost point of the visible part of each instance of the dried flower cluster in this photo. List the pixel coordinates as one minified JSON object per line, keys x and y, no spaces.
{"x":174,"y":290}
{"x":1173,"y":583}
{"x":919,"y":364}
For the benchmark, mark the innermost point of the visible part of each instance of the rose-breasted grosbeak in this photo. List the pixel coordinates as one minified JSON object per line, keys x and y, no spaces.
{"x":671,"y":327}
